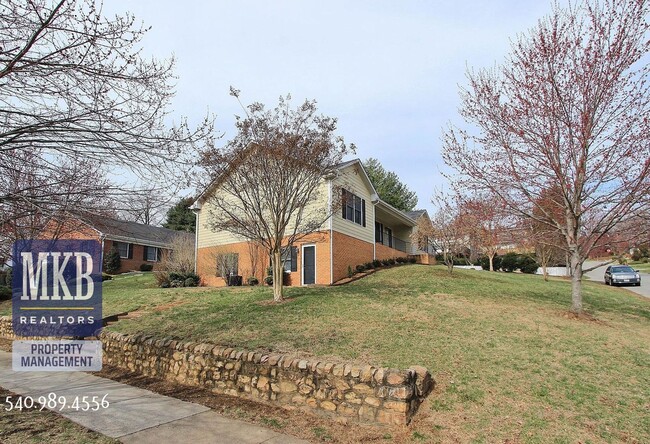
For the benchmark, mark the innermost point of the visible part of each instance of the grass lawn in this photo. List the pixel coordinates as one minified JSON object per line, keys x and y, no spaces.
{"x":644,"y":267}
{"x":510,"y":364}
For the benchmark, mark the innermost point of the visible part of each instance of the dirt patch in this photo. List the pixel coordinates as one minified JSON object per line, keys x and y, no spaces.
{"x":584,"y":317}
{"x":168,"y":306}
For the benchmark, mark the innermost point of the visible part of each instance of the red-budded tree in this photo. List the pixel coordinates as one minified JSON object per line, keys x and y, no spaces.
{"x":570,"y":107}
{"x":484,"y":221}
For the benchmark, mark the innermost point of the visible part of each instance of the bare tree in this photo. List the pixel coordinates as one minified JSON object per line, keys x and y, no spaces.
{"x":74,"y":88}
{"x":178,"y":258}
{"x":268,"y":178}
{"x":485,"y":223}
{"x":570,"y":107}
{"x":147,"y":206}
{"x":422,"y":234}
{"x":35,"y":197}
{"x":448,"y":235}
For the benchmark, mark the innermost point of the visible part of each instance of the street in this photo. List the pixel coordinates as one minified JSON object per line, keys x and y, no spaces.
{"x":598,"y":273}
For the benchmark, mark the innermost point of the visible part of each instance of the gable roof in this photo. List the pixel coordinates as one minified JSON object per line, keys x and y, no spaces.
{"x":133,"y":232}
{"x":406,"y":218}
{"x":416,"y":214}
{"x":338,"y":167}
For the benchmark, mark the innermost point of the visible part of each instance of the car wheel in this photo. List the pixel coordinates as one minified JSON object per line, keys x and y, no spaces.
{"x":638,"y":284}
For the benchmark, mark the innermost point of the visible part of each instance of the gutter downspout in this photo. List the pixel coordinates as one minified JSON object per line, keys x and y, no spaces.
{"x":101,"y":263}
{"x":331,"y":233}
{"x":196,"y":240}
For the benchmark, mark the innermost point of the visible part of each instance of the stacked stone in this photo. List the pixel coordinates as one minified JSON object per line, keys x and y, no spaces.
{"x":360,"y":393}
{"x":5,"y":328}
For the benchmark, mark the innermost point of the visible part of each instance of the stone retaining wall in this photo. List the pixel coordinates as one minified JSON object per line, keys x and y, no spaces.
{"x":358,"y":393}
{"x":5,"y":328}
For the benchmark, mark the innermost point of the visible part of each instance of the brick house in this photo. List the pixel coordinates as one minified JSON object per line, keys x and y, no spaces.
{"x":137,"y":243}
{"x":363,"y":229}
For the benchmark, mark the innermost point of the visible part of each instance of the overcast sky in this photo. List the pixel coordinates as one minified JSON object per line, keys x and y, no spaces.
{"x":388,"y":70}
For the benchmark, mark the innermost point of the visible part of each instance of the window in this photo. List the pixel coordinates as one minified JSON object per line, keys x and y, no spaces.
{"x":124,"y":249}
{"x":227,"y":264}
{"x":290,"y":259}
{"x":379,"y":232}
{"x":151,"y":254}
{"x":354,"y":208}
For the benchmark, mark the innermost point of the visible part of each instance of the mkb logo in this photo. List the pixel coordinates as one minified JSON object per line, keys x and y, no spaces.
{"x":57,"y":288}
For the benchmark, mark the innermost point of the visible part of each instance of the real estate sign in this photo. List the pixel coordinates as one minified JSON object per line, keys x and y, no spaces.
{"x":57,"y":288}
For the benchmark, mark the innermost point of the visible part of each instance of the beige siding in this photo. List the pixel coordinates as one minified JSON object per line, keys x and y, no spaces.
{"x":351,"y":179}
{"x":316,"y":209}
{"x":207,"y":237}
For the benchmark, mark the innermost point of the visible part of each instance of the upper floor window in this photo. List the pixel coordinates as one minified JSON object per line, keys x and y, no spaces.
{"x":353,"y":208}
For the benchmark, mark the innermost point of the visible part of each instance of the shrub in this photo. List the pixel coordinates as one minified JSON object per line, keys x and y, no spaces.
{"x":252,"y":281}
{"x":644,"y":260}
{"x":146,"y":267}
{"x":165,"y":284}
{"x":176,"y":283}
{"x":268,"y":280}
{"x":391,"y":261}
{"x":112,"y":261}
{"x":350,"y":271}
{"x":528,"y":265}
{"x":376,"y":263}
{"x":190,"y":282}
{"x":636,"y":255}
{"x":5,"y":293}
{"x":106,"y":277}
{"x":385,"y":262}
{"x":360,"y":268}
{"x":369,"y":265}
{"x":510,"y":262}
{"x":401,"y":260}
{"x":412,"y":260}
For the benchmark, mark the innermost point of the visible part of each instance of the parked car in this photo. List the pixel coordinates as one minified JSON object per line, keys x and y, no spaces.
{"x":622,"y":274}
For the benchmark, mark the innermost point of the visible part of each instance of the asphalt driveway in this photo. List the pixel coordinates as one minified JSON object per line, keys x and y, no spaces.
{"x":598,"y":273}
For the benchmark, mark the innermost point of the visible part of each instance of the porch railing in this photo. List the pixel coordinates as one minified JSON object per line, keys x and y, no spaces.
{"x":396,"y":243}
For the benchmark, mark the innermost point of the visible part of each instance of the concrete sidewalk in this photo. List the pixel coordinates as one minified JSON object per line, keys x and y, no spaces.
{"x":136,"y":415}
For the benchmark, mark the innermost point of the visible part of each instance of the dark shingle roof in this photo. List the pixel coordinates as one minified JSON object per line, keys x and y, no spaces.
{"x":135,"y":232}
{"x":415,"y":214}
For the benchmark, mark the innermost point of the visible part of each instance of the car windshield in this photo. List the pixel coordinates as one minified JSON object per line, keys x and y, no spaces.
{"x":622,"y":270}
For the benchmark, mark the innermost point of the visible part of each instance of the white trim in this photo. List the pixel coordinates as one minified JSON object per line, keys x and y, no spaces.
{"x":197,"y":213}
{"x":137,"y":241}
{"x":302,"y":264}
{"x":330,"y":204}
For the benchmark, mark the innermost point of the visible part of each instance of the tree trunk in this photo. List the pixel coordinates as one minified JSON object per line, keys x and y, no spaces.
{"x":576,"y":281}
{"x":491,"y":262}
{"x":545,"y":271}
{"x":278,"y":277}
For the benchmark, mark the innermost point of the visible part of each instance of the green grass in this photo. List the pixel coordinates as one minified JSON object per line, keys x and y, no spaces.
{"x":644,"y":267}
{"x":510,"y":364}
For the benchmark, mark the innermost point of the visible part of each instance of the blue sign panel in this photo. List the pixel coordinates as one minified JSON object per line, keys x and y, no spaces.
{"x":57,"y":288}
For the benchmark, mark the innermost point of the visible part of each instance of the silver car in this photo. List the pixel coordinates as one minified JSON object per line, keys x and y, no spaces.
{"x":622,"y":274}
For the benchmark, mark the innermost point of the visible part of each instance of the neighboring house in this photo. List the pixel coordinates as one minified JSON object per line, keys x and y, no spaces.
{"x":137,"y":243}
{"x":363,"y":229}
